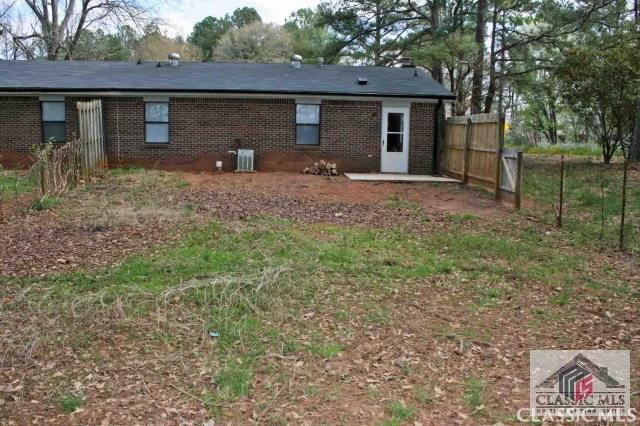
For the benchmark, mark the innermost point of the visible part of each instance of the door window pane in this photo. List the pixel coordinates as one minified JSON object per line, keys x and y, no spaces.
{"x":308,"y":134}
{"x":395,"y":122}
{"x":307,"y":114}
{"x":53,"y":130}
{"x":53,"y":111}
{"x":394,"y":142}
{"x":156,"y":112}
{"x":157,"y":132}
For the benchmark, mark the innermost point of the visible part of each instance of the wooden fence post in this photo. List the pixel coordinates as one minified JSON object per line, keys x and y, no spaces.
{"x":518,"y":188}
{"x":467,"y":150}
{"x":83,"y":135}
{"x":90,"y":136}
{"x":101,"y":147}
{"x":499,"y":149}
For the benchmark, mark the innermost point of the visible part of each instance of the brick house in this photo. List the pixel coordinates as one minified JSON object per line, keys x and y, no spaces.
{"x":189,"y":115}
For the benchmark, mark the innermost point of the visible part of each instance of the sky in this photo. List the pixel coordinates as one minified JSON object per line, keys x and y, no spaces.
{"x":181,"y":16}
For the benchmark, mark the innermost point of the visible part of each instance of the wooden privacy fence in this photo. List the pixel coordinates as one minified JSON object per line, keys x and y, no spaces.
{"x":90,"y":126}
{"x":473,"y":152}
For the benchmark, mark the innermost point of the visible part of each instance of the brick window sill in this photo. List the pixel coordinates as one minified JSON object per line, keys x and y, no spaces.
{"x":156,"y":145}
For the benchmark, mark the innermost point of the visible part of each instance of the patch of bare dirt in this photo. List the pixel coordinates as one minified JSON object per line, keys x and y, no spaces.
{"x":125,"y":372}
{"x":238,"y":204}
{"x":44,"y":244}
{"x":116,"y":217}
{"x":14,"y":206}
{"x":93,"y":227}
{"x":443,"y":198}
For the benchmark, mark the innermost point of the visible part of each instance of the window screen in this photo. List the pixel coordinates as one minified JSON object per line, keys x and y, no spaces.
{"x":307,"y":124}
{"x":156,"y":118}
{"x":53,"y":121}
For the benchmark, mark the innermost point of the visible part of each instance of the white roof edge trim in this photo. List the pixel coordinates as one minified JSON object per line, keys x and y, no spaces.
{"x":52,"y":98}
{"x":309,"y":100}
{"x":155,"y":99}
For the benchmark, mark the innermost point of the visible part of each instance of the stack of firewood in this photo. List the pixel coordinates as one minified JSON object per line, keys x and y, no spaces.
{"x":321,"y":168}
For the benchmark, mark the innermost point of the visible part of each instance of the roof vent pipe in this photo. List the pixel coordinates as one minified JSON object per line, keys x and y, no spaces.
{"x":174,"y":59}
{"x":320,"y":62}
{"x":296,"y":60}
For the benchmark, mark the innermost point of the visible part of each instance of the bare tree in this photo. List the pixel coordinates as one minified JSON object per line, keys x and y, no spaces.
{"x":14,"y":46}
{"x":55,"y":26}
{"x":256,"y":42}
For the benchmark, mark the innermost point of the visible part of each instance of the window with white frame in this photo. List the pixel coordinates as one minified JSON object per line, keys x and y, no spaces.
{"x":156,"y":122}
{"x":308,"y":124}
{"x":53,"y":121}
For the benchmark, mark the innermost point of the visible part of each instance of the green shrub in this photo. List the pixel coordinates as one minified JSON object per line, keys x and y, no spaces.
{"x":44,"y":203}
{"x":70,"y":403}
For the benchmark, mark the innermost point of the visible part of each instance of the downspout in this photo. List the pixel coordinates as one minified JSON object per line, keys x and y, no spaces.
{"x":436,"y":138}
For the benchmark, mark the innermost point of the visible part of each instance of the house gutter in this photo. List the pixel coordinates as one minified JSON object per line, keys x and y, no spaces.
{"x":129,"y":92}
{"x":436,"y":139}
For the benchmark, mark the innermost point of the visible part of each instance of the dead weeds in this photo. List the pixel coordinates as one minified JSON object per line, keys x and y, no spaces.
{"x":330,"y":303}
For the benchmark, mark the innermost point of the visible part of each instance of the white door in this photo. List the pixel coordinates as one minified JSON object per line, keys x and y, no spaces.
{"x":394,"y":157}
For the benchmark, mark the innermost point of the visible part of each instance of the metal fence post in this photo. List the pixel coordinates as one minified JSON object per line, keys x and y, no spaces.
{"x":561,"y":196}
{"x":623,"y":202}
{"x":518,"y":188}
{"x":499,"y":154}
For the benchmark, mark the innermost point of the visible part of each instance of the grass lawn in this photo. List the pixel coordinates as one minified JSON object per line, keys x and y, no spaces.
{"x":592,"y":196}
{"x":562,"y":149}
{"x":278,"y":321}
{"x":14,"y":183}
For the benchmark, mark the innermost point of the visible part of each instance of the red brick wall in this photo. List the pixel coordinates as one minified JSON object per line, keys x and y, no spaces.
{"x":421,"y":130}
{"x":210,"y":128}
{"x":19,"y":129}
{"x":203,"y":130}
{"x":353,"y":128}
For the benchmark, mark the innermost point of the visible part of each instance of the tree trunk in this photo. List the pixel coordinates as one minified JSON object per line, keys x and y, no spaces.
{"x":607,"y":151}
{"x":377,"y":43}
{"x":491,"y":89}
{"x":553,"y":130}
{"x":634,"y":149}
{"x":460,"y":95}
{"x":436,"y":69}
{"x":478,"y":66}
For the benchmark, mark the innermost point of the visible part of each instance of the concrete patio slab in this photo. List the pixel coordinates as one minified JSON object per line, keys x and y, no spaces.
{"x":397,"y":177}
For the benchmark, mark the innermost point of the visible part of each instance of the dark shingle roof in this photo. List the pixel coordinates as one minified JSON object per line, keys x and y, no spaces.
{"x":58,"y":76}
